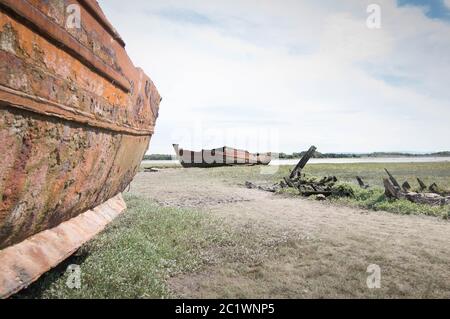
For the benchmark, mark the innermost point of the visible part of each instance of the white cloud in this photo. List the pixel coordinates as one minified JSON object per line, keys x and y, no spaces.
{"x":447,"y":3}
{"x":311,"y":71}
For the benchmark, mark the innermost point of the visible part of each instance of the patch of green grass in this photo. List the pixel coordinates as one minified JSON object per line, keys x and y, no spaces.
{"x":135,"y":255}
{"x":372,"y":174}
{"x":375,"y":199}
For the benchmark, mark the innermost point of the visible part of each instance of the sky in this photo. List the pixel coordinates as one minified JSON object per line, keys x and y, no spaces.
{"x":283,"y":75}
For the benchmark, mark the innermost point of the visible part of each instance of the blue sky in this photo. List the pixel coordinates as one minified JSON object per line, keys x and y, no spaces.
{"x":434,"y":9}
{"x":282,"y":75}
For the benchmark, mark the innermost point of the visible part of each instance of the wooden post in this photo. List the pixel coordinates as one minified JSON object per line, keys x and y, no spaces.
{"x":361,"y":183}
{"x":406,"y":187}
{"x":434,"y":188}
{"x":389,"y":189}
{"x":421,"y":184}
{"x":392,"y":178}
{"x":304,"y":160}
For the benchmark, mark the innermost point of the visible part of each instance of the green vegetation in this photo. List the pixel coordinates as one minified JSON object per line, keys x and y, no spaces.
{"x":372,"y":174}
{"x":161,"y":252}
{"x":374,"y":199}
{"x":135,"y":255}
{"x":158,"y":157}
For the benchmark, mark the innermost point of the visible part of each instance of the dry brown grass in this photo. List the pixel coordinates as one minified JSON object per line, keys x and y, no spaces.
{"x":295,"y":248}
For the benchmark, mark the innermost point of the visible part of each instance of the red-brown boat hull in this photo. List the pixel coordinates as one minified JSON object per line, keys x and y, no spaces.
{"x":224,"y":156}
{"x":76,"y":116}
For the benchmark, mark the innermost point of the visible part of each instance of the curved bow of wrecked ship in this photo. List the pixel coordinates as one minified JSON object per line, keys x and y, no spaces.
{"x":76,"y":118}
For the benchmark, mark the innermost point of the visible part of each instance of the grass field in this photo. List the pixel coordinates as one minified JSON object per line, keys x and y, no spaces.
{"x":239,"y":243}
{"x":135,"y":255}
{"x":372,"y":174}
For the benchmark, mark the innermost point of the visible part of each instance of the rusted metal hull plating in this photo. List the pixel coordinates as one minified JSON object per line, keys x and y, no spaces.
{"x":47,"y":249}
{"x":76,"y":116}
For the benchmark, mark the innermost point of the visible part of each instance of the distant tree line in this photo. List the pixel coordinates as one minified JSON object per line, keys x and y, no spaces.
{"x":164,"y":157}
{"x":359,"y":155}
{"x":157,"y":157}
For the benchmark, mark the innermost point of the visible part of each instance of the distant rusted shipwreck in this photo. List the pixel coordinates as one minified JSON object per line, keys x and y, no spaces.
{"x":224,"y":156}
{"x":76,"y":118}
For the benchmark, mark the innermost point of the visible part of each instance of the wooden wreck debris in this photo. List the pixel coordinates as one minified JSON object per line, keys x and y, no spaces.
{"x":428,"y":198}
{"x":306,"y":186}
{"x":288,"y":182}
{"x":395,"y":192}
{"x":406,"y":187}
{"x":392,"y":179}
{"x":303,"y":161}
{"x":434,"y":188}
{"x":361,"y":183}
{"x":309,"y":190}
{"x":421,"y":184}
{"x":390,"y":190}
{"x":266,"y":188}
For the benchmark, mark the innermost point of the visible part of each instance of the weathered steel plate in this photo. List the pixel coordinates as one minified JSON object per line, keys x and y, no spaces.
{"x":76,"y":118}
{"x":25,"y":262}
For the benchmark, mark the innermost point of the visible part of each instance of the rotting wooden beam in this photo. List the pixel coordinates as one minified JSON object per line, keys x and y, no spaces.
{"x":406,"y":187}
{"x":392,"y":179}
{"x":421,"y":184}
{"x":361,"y":182}
{"x":389,"y":189}
{"x":303,"y":161}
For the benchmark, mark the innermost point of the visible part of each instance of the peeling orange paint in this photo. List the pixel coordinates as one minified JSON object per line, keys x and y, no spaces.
{"x":76,"y":118}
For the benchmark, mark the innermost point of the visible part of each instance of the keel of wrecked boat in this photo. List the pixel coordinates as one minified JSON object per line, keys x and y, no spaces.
{"x":25,"y":262}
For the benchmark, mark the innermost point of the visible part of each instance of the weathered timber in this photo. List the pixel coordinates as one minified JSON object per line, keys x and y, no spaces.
{"x":288,"y":182}
{"x":434,"y":188}
{"x":421,"y":184}
{"x":390,"y":189}
{"x":406,"y":187}
{"x":267,"y":188}
{"x":433,"y":199}
{"x":306,"y":186}
{"x":428,"y":198}
{"x":303,"y":161}
{"x":392,"y":179}
{"x":361,"y":182}
{"x":76,"y":118}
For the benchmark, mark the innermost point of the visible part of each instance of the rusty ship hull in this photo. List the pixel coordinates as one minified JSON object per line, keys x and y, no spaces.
{"x":223,"y":156}
{"x":76,"y":118}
